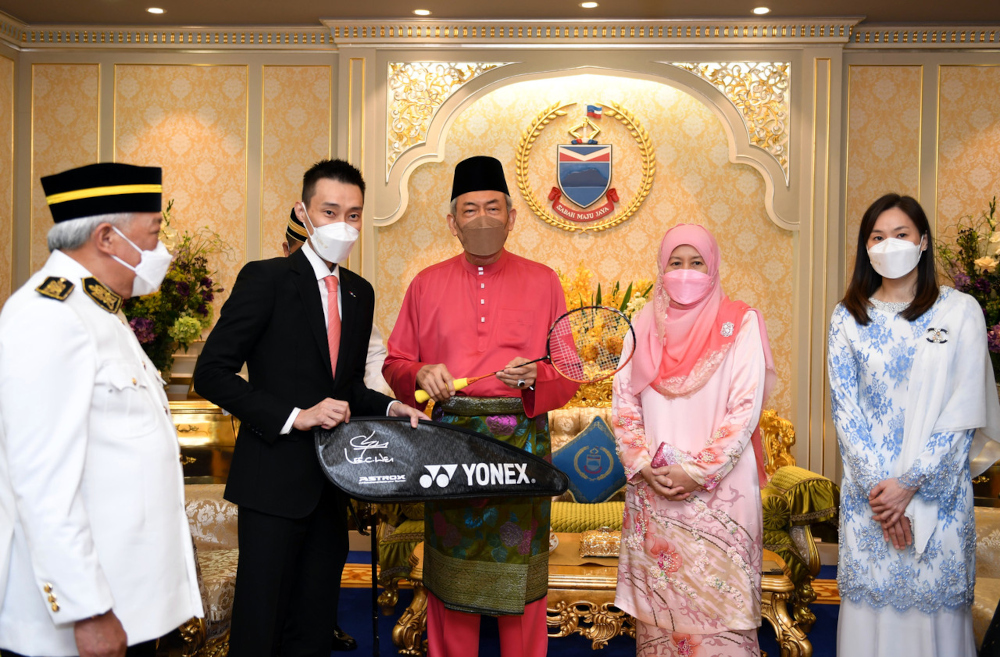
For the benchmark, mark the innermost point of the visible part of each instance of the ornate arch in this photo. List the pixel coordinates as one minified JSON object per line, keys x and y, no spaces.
{"x":781,"y":194}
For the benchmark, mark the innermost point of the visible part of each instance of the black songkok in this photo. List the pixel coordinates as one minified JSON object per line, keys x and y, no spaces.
{"x":296,"y":230}
{"x":477,"y":174}
{"x":106,"y":188}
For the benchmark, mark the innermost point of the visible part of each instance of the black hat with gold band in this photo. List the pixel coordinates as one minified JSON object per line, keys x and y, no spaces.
{"x":106,"y":188}
{"x":296,"y":230}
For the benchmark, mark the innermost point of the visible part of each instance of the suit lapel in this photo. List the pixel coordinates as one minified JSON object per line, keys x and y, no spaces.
{"x":348,"y":317}
{"x":308,"y":287}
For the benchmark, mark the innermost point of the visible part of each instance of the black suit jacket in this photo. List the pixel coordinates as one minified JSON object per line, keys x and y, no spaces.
{"x":273,"y":321}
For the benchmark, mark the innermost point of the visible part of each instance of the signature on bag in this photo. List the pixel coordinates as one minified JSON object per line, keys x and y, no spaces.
{"x":362,"y":445}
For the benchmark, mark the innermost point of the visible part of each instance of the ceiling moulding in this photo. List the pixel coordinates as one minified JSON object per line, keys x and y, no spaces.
{"x":56,"y":37}
{"x":598,"y":33}
{"x":908,"y":37}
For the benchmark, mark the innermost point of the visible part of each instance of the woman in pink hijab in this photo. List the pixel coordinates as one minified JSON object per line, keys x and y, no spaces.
{"x":685,"y":415}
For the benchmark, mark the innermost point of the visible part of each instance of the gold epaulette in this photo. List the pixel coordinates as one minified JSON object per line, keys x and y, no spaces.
{"x":55,"y":287}
{"x":102,"y":295}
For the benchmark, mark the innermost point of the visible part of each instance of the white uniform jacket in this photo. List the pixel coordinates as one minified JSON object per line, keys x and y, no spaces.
{"x":91,"y":488}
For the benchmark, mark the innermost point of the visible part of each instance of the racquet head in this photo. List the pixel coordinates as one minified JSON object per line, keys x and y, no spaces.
{"x":585,"y":344}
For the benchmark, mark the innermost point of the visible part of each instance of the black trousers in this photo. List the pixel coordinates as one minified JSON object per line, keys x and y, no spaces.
{"x":144,"y":649}
{"x":288,"y":581}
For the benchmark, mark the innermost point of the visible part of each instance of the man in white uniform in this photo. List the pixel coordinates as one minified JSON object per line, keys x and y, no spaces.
{"x":95,"y":549}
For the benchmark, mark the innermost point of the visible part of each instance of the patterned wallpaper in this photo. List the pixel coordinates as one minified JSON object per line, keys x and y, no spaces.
{"x":883,"y":136}
{"x":6,"y":177}
{"x":296,"y":116}
{"x":65,"y":108}
{"x":192,"y":121}
{"x":694,"y":183}
{"x":968,"y":143}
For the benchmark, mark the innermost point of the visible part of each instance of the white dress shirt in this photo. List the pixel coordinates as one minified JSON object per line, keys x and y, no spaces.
{"x":322,"y":270}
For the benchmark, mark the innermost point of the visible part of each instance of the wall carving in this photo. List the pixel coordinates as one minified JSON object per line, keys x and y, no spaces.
{"x":761,"y":93}
{"x":414,"y":91}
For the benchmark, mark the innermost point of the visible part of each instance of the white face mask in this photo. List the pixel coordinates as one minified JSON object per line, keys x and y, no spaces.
{"x":332,"y":242}
{"x":152,"y":267}
{"x":895,"y":258}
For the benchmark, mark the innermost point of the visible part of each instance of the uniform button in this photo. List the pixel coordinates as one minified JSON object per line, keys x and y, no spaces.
{"x":55,"y":607}
{"x":47,"y":588}
{"x":482,"y":319}
{"x":482,"y":286}
{"x":133,"y":381}
{"x":52,"y":598}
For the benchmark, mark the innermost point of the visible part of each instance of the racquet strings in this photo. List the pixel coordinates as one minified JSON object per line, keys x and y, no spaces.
{"x":585,"y":345}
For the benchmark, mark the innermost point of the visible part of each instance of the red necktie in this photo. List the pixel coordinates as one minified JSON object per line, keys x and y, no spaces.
{"x":333,"y":325}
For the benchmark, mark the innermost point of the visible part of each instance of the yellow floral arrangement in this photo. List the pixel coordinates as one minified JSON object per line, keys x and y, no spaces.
{"x":579,"y":290}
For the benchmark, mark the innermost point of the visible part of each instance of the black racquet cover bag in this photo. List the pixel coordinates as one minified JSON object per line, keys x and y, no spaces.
{"x":382,"y":459}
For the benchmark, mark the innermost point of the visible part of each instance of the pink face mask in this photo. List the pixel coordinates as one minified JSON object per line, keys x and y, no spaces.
{"x":686,"y":286}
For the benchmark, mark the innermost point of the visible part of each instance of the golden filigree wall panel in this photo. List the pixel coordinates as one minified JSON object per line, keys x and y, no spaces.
{"x":192,"y":121}
{"x":6,"y":177}
{"x":296,"y":134}
{"x":760,"y":91}
{"x":65,"y":115}
{"x":968,"y":143}
{"x":695,"y":182}
{"x":883,"y":140}
{"x":414,"y":91}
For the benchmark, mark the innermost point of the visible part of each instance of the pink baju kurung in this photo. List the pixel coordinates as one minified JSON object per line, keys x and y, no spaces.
{"x":690,"y":571}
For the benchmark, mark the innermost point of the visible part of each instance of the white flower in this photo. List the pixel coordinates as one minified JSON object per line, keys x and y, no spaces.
{"x":987,"y":264}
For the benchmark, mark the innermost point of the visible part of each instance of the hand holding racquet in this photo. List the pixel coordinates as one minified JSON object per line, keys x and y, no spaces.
{"x":584,"y":345}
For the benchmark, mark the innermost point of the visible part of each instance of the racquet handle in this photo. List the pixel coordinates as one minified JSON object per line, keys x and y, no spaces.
{"x":421,"y":395}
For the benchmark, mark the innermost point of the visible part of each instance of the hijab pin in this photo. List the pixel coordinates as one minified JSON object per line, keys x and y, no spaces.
{"x":727,"y":329}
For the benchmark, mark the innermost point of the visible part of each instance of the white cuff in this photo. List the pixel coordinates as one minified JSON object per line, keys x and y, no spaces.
{"x":287,"y":429}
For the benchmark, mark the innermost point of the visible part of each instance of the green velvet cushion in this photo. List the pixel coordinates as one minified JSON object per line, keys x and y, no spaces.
{"x":811,"y":497}
{"x":395,"y":549}
{"x":572,"y":517}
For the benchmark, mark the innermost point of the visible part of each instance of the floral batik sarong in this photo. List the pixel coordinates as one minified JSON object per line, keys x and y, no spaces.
{"x":490,"y":556}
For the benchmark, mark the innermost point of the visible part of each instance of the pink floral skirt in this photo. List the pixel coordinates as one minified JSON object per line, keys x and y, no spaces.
{"x":653,"y":641}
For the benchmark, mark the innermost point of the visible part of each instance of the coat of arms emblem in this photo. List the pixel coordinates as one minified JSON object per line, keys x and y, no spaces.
{"x":584,"y":197}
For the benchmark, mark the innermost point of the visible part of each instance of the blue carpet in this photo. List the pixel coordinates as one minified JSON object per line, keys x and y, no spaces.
{"x":355,"y":619}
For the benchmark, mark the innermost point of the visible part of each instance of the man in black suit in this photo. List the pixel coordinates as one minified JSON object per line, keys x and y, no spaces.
{"x":301,"y":324}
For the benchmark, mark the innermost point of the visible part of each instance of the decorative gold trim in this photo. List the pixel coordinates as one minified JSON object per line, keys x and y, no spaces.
{"x":761,"y":93}
{"x":110,"y":190}
{"x":778,"y":437}
{"x":302,"y":38}
{"x":414,"y":92}
{"x":598,"y":622}
{"x":613,"y":110}
{"x":924,"y":37}
{"x":599,"y":33}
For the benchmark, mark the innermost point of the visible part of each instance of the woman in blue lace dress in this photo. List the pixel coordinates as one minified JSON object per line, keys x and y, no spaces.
{"x":911,"y":384}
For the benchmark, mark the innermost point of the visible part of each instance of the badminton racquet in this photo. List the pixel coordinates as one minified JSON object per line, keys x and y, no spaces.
{"x":584,"y":345}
